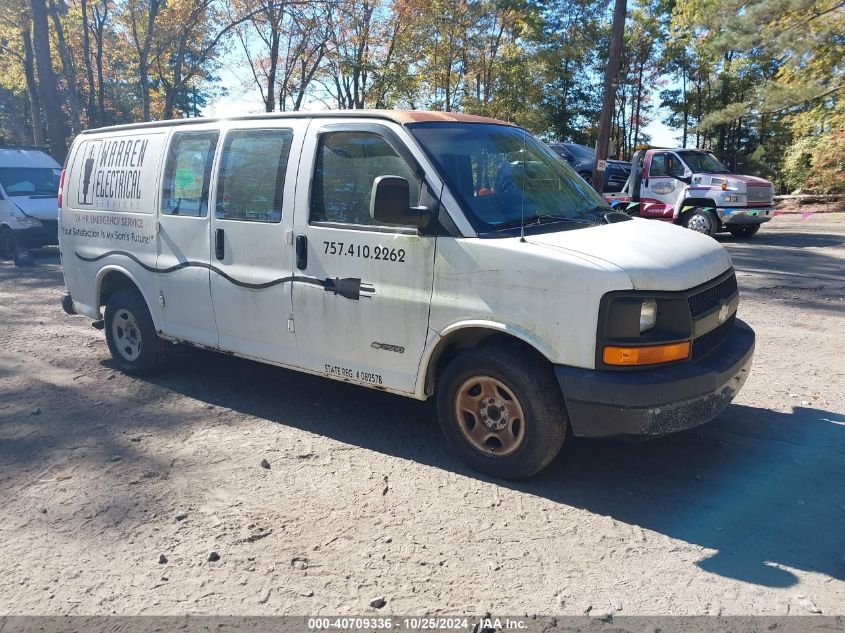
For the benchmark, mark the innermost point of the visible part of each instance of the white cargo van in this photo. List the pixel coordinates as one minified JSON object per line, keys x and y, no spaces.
{"x":29,"y":181}
{"x":424,"y":254}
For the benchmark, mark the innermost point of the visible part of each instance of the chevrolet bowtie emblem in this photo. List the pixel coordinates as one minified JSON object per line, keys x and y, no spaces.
{"x":724,"y":311}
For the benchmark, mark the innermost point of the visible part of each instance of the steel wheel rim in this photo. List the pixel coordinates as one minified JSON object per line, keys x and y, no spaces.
{"x":126,"y":334}
{"x":489,"y":416}
{"x":699,"y":224}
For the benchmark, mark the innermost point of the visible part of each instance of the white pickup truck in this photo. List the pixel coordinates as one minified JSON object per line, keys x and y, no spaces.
{"x":691,"y":188}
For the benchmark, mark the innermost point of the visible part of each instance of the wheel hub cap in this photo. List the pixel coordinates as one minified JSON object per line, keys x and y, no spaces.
{"x":698,"y":224}
{"x":489,"y":416}
{"x":126,"y":334}
{"x":493,"y":413}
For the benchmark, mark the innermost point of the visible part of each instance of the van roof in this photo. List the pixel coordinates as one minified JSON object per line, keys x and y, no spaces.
{"x":26,"y":157}
{"x":403,"y":117}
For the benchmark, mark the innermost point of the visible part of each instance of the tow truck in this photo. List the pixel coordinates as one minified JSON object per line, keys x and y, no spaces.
{"x":690,"y":187}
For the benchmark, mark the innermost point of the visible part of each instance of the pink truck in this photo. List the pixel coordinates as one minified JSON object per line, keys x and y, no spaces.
{"x":691,"y":188}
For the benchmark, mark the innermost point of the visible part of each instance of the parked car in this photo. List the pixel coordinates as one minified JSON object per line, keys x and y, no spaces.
{"x":29,"y":210}
{"x":422,"y":254}
{"x":692,"y":188}
{"x":582,"y":158}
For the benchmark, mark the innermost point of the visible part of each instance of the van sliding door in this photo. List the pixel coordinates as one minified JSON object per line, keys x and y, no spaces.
{"x":183,"y":237}
{"x":251,"y":253}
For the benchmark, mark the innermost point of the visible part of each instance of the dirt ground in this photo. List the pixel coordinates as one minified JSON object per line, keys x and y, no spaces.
{"x":102,"y":474}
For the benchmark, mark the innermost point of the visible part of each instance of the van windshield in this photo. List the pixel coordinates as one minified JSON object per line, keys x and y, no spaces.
{"x":504,"y":177}
{"x":30,"y":181}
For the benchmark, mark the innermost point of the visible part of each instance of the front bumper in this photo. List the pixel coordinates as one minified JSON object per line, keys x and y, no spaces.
{"x":661,"y":400}
{"x":46,"y":235}
{"x":733,"y":215}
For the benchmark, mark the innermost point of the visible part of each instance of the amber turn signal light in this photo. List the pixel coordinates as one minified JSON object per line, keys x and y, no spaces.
{"x":651,"y":355}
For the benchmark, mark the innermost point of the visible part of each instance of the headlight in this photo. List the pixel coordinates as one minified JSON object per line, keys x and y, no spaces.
{"x":29,"y":221}
{"x":648,"y":314}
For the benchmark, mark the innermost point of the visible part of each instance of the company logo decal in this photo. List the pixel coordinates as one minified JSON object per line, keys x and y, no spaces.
{"x":111,"y":173}
{"x":662,"y":188}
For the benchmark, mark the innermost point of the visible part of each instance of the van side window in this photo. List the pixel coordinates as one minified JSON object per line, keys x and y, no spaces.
{"x":187,"y":173}
{"x":347,"y":164}
{"x":251,"y":180}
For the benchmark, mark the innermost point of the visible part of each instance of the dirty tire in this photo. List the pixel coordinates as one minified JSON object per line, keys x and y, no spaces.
{"x":8,"y":243}
{"x":701,"y":221}
{"x":744,"y":232}
{"x":131,"y":335}
{"x":535,"y":392}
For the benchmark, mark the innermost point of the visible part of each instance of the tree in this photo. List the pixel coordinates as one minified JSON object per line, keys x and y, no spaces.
{"x":47,"y":82}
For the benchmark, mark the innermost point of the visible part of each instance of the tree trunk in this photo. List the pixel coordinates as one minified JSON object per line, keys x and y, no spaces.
{"x":56,"y":129}
{"x":89,"y":70}
{"x":68,"y":67}
{"x":270,"y":100}
{"x":143,"y":49}
{"x":32,"y":91}
{"x":639,"y":104}
{"x":686,"y":102}
{"x":98,"y":58}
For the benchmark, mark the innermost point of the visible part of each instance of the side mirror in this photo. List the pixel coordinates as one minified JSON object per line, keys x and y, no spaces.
{"x":670,"y":164}
{"x":390,"y":203}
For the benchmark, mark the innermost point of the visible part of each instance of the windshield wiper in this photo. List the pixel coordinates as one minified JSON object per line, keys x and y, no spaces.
{"x":541,"y":219}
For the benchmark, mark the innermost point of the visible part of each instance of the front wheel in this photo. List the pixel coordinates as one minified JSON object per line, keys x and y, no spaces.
{"x":744,"y":231}
{"x":131,"y":335}
{"x":502,"y":411}
{"x":701,"y":221}
{"x":8,"y":243}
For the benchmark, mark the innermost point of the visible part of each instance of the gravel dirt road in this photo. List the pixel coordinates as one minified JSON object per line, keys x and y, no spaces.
{"x":115,"y":490}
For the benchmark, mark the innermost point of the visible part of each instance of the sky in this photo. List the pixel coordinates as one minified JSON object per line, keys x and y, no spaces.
{"x":247,"y":100}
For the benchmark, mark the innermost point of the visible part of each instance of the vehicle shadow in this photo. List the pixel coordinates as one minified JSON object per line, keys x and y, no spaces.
{"x":762,"y":489}
{"x":785,"y":239}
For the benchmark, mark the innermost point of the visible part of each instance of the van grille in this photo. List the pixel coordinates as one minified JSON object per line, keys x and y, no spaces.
{"x":703,"y":345}
{"x":710,"y":298}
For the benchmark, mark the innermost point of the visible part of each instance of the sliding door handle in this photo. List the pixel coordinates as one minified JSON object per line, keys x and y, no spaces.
{"x":301,"y":252}
{"x":219,"y":249}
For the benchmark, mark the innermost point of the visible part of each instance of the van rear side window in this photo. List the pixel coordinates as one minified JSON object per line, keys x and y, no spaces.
{"x":187,"y":174}
{"x":251,"y":179}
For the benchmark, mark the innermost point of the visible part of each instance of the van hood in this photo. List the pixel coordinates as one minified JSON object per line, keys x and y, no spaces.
{"x":655,"y":255}
{"x":41,"y":207}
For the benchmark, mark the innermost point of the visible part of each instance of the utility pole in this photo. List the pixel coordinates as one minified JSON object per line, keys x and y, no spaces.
{"x":609,"y":102}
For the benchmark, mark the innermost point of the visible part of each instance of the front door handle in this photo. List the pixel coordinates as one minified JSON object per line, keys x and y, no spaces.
{"x":301,"y":252}
{"x":219,"y":250}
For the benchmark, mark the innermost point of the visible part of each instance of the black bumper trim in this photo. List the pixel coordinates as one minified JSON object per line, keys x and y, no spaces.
{"x":657,"y":401}
{"x":46,"y":235}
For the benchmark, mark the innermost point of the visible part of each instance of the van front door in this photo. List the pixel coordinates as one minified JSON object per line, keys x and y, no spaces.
{"x":362,"y":292}
{"x":250,"y":255}
{"x":182,"y":262}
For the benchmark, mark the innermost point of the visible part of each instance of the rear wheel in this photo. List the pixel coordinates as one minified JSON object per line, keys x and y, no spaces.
{"x":131,"y":335}
{"x":502,"y":411}
{"x":701,"y":221}
{"x":8,"y":243}
{"x":744,"y":231}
